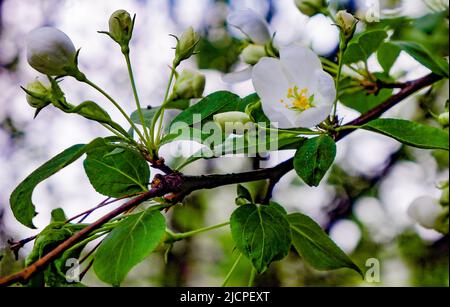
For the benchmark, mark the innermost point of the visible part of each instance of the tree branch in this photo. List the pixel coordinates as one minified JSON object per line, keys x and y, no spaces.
{"x":181,"y":185}
{"x":24,"y":275}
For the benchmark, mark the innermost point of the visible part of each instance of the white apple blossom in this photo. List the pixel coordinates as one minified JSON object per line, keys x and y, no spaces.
{"x":251,"y":24}
{"x":255,"y":27}
{"x":50,"y":50}
{"x":295,"y":91}
{"x":425,"y":210}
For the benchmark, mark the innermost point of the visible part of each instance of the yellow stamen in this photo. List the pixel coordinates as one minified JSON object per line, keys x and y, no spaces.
{"x":299,"y":99}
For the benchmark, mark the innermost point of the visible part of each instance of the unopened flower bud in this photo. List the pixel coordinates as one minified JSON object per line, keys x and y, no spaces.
{"x":426,"y":211}
{"x":233,"y":121}
{"x":121,"y":27}
{"x":186,"y":46}
{"x":347,"y":23}
{"x":38,"y":95}
{"x":50,"y":51}
{"x":253,"y":53}
{"x":443,"y":119}
{"x":189,"y":84}
{"x":310,"y":7}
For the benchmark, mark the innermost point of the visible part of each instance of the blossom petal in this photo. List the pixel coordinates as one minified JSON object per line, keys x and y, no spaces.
{"x":312,"y":117}
{"x":425,"y":210}
{"x":301,"y":63}
{"x":251,"y":24}
{"x":269,"y":80}
{"x":324,"y":88}
{"x":271,"y":84}
{"x":238,"y":76}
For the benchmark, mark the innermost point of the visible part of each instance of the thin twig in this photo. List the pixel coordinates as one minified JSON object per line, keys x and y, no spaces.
{"x":82,"y":274}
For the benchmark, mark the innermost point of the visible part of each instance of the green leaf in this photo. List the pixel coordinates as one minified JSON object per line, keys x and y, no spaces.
{"x":128,"y":244}
{"x":148,"y":115}
{"x":244,"y":196}
{"x":255,"y":112}
{"x":47,"y":239}
{"x":387,"y":54}
{"x":221,"y":101}
{"x":21,"y":203}
{"x":363,"y":45}
{"x":362,"y":101}
{"x":425,"y":57}
{"x":91,"y":110}
{"x":410,"y":133}
{"x":220,"y":53}
{"x":315,"y":247}
{"x":358,"y":98}
{"x":50,"y":237}
{"x":117,"y":175}
{"x":180,"y":104}
{"x":186,"y":133}
{"x":58,"y":215}
{"x":313,"y":158}
{"x":261,"y":233}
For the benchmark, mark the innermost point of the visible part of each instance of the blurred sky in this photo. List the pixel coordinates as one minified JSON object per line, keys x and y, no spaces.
{"x":361,"y":153}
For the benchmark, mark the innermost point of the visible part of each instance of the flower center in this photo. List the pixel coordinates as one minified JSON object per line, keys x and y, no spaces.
{"x":298,"y":99}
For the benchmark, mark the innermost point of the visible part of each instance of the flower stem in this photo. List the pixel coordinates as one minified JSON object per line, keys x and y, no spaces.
{"x":136,"y":97}
{"x":93,"y":85}
{"x":180,"y":236}
{"x":251,"y":280}
{"x":328,"y":62}
{"x":296,"y":132}
{"x":160,"y":114}
{"x":347,"y":127}
{"x":227,"y":278}
{"x":342,"y":47}
{"x":93,"y":237}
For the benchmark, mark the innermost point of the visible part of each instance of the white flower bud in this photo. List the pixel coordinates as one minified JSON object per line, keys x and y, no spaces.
{"x":346,"y":22}
{"x":40,"y":94}
{"x":50,"y":51}
{"x":426,"y":211}
{"x":253,"y":53}
{"x":189,"y":84}
{"x":233,"y":121}
{"x":186,"y":46}
{"x":443,"y":119}
{"x":310,"y":7}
